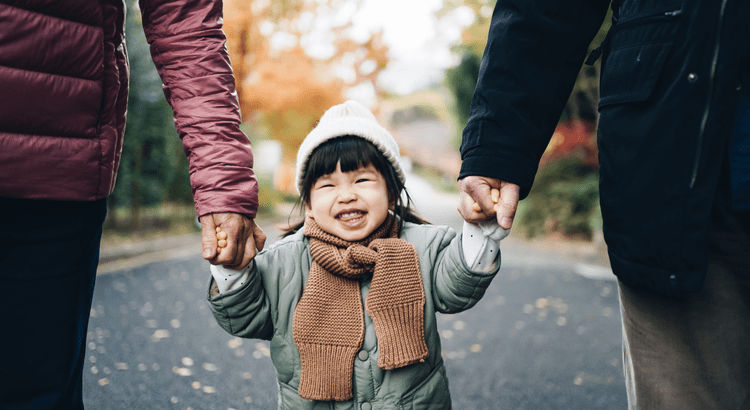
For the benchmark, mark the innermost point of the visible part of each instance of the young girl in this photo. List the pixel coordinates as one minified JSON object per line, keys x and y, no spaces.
{"x":359,"y":245}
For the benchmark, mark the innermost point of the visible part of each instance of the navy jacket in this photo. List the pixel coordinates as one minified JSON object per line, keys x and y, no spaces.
{"x":670,"y":83}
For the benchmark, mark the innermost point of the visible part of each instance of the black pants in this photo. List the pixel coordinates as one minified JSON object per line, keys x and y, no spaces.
{"x":49,"y":251}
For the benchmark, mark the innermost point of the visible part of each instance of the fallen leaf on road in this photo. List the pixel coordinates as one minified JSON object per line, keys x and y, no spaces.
{"x":182,"y":371}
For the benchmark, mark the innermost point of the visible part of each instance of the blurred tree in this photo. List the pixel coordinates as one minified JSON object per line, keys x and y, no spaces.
{"x":462,"y":80}
{"x":473,"y":36}
{"x":153,"y":167}
{"x":563,"y":200}
{"x":293,"y":59}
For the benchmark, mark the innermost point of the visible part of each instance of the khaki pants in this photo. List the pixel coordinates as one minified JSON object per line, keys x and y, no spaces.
{"x":694,"y":353}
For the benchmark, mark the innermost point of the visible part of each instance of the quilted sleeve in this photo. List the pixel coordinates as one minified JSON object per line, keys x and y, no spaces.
{"x":245,"y":311}
{"x":188,"y":47}
{"x":449,"y":281}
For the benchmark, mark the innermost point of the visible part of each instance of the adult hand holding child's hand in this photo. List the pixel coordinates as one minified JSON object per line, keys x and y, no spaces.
{"x":231,"y":239}
{"x":478,"y":202}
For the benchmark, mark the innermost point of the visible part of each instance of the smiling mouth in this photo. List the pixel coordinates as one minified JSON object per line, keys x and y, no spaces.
{"x":350,"y":217}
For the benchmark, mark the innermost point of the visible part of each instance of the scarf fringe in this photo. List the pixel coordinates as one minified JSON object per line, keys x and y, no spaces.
{"x":326,"y":372}
{"x":400,"y":345}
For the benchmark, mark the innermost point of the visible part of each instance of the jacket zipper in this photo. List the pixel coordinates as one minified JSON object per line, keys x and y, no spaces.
{"x":704,"y":119}
{"x":664,"y":15}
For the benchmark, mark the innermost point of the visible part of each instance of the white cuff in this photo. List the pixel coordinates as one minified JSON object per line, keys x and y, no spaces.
{"x":481,"y":244}
{"x":228,"y":279}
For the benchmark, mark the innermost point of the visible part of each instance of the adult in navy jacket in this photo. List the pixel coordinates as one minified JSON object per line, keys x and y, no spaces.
{"x":63,"y":99}
{"x":674,"y":172}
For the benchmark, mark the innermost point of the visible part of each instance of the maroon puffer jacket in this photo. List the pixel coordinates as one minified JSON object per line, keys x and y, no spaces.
{"x":63,"y":98}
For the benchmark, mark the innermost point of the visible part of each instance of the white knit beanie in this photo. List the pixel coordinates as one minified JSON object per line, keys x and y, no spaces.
{"x":349,"y":118}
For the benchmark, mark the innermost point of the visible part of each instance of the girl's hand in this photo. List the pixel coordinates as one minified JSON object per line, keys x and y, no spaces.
{"x":231,"y":239}
{"x":495,"y":196}
{"x":221,"y":238}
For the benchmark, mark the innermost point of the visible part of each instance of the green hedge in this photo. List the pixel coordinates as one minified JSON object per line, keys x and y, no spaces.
{"x":564,"y":199}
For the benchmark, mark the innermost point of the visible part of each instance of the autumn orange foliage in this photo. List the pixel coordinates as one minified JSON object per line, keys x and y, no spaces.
{"x":573,"y":137}
{"x":283,"y":87}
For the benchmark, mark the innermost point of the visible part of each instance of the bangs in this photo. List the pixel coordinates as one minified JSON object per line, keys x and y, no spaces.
{"x":351,"y":151}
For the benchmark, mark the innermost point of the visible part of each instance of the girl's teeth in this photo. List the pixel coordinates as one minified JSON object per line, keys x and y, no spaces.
{"x":351,"y":215}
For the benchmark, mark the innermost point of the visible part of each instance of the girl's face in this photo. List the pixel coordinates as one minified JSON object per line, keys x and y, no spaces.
{"x":350,"y":205}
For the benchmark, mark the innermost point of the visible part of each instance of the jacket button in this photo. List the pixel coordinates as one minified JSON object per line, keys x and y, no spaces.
{"x":692,"y":77}
{"x":366,"y":406}
{"x":363,"y":355}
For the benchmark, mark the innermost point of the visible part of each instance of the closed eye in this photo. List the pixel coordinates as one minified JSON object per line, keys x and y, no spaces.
{"x":323,"y":184}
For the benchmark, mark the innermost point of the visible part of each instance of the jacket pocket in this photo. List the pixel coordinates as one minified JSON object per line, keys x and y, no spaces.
{"x":636,"y":49}
{"x":283,"y":359}
{"x":630,"y":73}
{"x":431,"y":394}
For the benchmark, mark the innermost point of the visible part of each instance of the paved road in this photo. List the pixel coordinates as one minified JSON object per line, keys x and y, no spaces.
{"x":543,"y":337}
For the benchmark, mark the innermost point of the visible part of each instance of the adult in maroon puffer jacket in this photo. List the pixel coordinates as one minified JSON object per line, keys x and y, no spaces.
{"x":63,"y":98}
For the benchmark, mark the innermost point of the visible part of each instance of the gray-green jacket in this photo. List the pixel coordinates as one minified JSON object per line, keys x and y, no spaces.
{"x":263,"y":308}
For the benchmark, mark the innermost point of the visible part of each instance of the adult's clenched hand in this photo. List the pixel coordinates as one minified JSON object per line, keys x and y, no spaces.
{"x":244,"y":239}
{"x":477,"y":190}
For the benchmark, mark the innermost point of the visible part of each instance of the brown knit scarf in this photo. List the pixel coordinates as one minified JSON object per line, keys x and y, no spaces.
{"x":329,"y":326}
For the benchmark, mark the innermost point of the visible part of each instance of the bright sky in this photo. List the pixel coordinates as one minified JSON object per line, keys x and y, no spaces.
{"x":419,"y":43}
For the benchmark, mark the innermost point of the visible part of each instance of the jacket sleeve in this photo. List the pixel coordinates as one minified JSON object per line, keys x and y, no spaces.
{"x":535,"y":49}
{"x":188,"y":47}
{"x":267,"y":299}
{"x":246,"y":311}
{"x":452,"y":285}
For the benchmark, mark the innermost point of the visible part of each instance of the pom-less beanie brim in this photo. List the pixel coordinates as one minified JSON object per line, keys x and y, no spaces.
{"x":349,"y":118}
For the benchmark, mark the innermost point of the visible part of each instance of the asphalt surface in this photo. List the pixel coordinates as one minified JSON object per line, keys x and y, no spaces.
{"x":545,"y":336}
